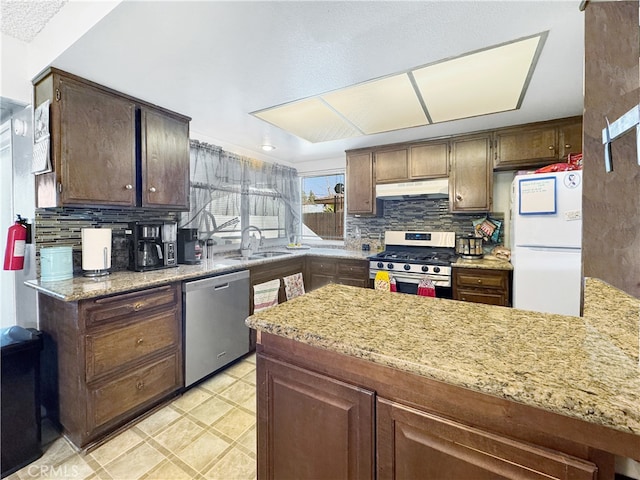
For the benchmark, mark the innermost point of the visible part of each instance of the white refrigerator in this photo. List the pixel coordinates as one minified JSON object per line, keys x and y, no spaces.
{"x":546,"y":240}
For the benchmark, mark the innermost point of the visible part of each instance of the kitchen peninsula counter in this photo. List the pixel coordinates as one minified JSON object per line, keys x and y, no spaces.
{"x":570,"y":366}
{"x":82,"y":288}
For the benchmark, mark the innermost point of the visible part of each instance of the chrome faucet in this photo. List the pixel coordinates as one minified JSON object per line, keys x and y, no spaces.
{"x":245,"y":241}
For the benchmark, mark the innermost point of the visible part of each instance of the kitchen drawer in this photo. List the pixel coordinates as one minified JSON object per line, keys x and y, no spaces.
{"x":489,"y":297}
{"x":359,"y":269}
{"x":481,"y":278}
{"x":110,"y":350}
{"x":126,"y":393}
{"x":109,"y":309}
{"x":323,"y":266}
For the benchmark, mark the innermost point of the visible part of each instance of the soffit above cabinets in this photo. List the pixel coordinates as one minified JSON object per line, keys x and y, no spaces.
{"x":482,"y":82}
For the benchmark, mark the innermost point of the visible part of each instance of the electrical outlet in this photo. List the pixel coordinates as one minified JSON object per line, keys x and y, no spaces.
{"x":573,"y":215}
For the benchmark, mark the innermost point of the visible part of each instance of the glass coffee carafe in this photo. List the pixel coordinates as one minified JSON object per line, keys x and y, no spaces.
{"x":152,"y":245}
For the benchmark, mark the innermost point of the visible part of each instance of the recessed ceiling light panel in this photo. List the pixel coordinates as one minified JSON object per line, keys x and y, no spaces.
{"x":310,"y":119}
{"x":481,"y":83}
{"x":379,"y":106}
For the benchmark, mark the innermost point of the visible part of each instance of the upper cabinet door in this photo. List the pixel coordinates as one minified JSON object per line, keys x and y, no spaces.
{"x":165,"y":160}
{"x":392,"y":166}
{"x":569,"y":139}
{"x":360,"y":184}
{"x":471,"y":180}
{"x":96,"y":145}
{"x":526,"y":147}
{"x":429,"y":161}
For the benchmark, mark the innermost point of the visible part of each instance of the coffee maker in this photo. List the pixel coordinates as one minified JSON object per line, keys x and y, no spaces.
{"x":152,"y":245}
{"x":189,"y":249}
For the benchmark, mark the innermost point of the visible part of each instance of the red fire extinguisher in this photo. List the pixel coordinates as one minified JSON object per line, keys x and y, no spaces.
{"x":16,"y":242}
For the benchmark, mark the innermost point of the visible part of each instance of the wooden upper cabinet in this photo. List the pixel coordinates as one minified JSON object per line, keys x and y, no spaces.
{"x":413,"y":162}
{"x":569,"y":139}
{"x":164,"y":160}
{"x":93,"y":145}
{"x":538,"y":144}
{"x":391,"y":165}
{"x":471,"y":177}
{"x":102,"y":154}
{"x":525,"y":147}
{"x":430,"y":160}
{"x":360,"y":184}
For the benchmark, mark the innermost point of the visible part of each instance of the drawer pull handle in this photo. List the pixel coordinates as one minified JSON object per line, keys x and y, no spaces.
{"x":140,"y":385}
{"x":139,"y":341}
{"x":479,"y":281}
{"x":138,"y":306}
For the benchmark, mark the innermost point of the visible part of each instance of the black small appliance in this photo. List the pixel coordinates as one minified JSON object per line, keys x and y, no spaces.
{"x":152,"y":245}
{"x":189,"y":249}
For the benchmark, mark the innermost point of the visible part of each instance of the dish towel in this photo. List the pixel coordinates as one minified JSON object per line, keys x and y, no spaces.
{"x":382,"y":282}
{"x":265,"y":295}
{"x":293,"y":285}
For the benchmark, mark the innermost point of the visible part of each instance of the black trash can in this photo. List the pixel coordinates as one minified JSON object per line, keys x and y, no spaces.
{"x":20,"y":403}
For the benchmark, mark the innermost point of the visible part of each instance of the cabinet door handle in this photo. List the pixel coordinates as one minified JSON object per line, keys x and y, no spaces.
{"x":140,"y":341}
{"x":138,"y":306}
{"x":568,"y":145}
{"x":551,"y":147}
{"x":458,"y":197}
{"x":140,"y":385}
{"x":128,"y":186}
{"x":152,"y":189}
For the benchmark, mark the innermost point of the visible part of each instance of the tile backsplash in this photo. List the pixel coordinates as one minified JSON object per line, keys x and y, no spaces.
{"x":413,"y":214}
{"x":57,"y":227}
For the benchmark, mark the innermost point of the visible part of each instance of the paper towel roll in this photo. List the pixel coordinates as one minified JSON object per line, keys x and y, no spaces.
{"x":96,"y":249}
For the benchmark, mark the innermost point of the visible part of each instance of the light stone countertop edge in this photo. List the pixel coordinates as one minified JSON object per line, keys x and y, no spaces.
{"x":558,"y":363}
{"x":81,"y":288}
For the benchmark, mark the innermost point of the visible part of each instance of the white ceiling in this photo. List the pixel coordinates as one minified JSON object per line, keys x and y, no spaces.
{"x":218,"y":61}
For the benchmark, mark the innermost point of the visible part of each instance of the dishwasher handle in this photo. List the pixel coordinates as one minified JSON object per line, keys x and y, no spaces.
{"x":217,"y":282}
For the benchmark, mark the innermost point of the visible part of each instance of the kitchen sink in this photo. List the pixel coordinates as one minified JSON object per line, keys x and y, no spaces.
{"x":257,"y":256}
{"x":270,"y":254}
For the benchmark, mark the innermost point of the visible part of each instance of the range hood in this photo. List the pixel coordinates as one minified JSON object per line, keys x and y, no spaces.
{"x":434,"y":188}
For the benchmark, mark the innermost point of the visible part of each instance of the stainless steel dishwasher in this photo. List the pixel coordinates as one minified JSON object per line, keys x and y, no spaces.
{"x":215,"y":309}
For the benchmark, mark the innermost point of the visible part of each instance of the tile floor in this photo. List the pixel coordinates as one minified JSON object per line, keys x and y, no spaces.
{"x":207,"y":433}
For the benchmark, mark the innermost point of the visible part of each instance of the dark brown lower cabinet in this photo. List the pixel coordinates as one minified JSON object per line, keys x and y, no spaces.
{"x":344,"y":271}
{"x":108,"y":360}
{"x":414,"y":444}
{"x":312,"y":426}
{"x":325,"y":415}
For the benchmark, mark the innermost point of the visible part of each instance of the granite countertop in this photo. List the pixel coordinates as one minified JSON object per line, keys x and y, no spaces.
{"x":81,"y":288}
{"x":567,"y":365}
{"x":488,"y":262}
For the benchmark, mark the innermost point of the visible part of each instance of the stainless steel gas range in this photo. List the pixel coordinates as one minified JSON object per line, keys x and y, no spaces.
{"x":410,"y":256}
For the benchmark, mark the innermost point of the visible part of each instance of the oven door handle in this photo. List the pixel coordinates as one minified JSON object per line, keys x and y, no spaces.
{"x":414,"y":278}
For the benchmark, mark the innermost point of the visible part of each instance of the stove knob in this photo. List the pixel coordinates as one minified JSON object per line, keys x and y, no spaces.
{"x":425,"y":268}
{"x":380,"y":265}
{"x":436,"y":269}
{"x":390,"y":266}
{"x":407,"y":266}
